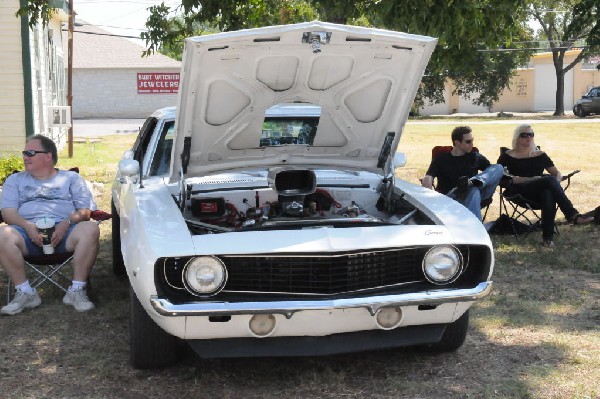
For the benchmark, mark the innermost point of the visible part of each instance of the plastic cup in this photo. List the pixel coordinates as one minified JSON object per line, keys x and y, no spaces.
{"x":45,"y":226}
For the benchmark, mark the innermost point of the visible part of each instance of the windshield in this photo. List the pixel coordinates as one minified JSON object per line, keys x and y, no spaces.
{"x":290,"y":130}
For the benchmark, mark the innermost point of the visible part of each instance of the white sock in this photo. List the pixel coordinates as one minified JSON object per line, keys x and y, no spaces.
{"x":77,"y":285}
{"x":25,"y":287}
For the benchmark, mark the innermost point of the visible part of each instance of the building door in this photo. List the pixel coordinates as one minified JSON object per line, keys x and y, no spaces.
{"x":545,"y":88}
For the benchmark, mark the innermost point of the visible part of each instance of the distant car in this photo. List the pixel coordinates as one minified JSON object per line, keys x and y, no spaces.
{"x":277,"y":225}
{"x":588,"y":104}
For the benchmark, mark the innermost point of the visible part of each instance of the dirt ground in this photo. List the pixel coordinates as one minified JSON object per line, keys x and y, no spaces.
{"x":546,"y":349}
{"x":536,"y":336}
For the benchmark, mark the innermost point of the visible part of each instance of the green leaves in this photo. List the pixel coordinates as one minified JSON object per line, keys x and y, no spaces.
{"x":473,"y":35}
{"x":567,"y":24}
{"x":37,"y":10}
{"x":8,"y":165}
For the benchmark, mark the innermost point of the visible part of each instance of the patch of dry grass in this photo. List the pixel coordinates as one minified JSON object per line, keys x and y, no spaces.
{"x":536,"y":336}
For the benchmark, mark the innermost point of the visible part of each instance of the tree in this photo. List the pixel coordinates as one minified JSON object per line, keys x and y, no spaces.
{"x":567,"y":25}
{"x":466,"y":30}
{"x":37,"y":10}
{"x":165,"y":31}
{"x":463,"y":27}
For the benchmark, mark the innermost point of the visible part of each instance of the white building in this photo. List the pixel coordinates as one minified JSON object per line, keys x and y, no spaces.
{"x":31,"y":76}
{"x":111,"y":79}
{"x":532,"y":89}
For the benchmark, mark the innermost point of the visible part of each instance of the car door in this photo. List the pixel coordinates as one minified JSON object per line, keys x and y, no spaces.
{"x":136,"y":152}
{"x":595,"y":107}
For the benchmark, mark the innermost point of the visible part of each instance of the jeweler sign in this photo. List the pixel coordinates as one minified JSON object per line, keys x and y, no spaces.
{"x":157,"y":83}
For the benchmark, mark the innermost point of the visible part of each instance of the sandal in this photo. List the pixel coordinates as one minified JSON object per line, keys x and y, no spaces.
{"x":580,"y":219}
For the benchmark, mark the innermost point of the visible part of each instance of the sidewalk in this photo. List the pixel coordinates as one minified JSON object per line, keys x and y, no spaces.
{"x":104,"y":127}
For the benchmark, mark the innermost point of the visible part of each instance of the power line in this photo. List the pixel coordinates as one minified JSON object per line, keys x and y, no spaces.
{"x":116,"y":27}
{"x":103,"y":34}
{"x":500,"y":50}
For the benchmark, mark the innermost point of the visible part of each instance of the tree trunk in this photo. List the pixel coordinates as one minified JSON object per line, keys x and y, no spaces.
{"x":559,"y":109}
{"x":560,"y":93}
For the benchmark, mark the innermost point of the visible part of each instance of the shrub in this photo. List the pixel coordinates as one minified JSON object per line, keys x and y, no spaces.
{"x":8,"y":165}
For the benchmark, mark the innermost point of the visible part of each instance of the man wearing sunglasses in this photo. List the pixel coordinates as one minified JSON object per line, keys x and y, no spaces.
{"x":42,"y":191}
{"x":458,"y":172}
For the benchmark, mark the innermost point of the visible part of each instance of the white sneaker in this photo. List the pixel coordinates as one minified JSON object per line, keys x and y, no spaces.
{"x":79,"y":300}
{"x":20,"y":302}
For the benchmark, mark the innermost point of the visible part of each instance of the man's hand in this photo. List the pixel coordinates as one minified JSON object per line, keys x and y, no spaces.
{"x":33,"y":233}
{"x":11,"y":216}
{"x":427,"y":181}
{"x":60,"y":231}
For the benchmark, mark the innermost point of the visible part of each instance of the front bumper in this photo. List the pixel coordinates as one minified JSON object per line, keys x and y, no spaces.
{"x":287,"y":308}
{"x":358,"y":341}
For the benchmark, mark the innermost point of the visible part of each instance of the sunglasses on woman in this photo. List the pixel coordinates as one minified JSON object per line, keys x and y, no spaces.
{"x":31,"y":153}
{"x":525,"y":135}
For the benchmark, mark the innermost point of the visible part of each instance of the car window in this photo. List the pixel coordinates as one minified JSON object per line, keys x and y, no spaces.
{"x":299,"y":130}
{"x":143,"y":138}
{"x":162,"y":156}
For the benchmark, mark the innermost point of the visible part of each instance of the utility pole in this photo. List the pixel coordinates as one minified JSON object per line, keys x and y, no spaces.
{"x":70,"y":76}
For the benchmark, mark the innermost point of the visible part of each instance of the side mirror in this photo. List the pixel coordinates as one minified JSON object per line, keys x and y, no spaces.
{"x":129,"y":167}
{"x":399,"y":160}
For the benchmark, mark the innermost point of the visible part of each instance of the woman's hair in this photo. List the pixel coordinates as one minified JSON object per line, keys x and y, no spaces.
{"x":518,"y":130}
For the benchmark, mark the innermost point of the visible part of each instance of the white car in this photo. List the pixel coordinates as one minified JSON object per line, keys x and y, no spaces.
{"x":263,"y":216}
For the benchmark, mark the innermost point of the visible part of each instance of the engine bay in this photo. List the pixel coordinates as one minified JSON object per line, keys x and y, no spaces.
{"x":292,"y":199}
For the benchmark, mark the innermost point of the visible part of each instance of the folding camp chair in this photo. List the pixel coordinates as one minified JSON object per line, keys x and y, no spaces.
{"x":524,"y":210}
{"x":442,"y":149}
{"x":49,"y":268}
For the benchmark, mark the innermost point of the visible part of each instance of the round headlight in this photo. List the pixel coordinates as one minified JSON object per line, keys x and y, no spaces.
{"x":442,"y":264}
{"x":204,"y":275}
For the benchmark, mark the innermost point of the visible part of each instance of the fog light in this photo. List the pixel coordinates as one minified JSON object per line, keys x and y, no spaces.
{"x":262,"y":325}
{"x":388,"y":318}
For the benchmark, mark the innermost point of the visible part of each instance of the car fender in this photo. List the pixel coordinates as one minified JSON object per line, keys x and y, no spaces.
{"x":461,"y":223}
{"x":151,"y":227}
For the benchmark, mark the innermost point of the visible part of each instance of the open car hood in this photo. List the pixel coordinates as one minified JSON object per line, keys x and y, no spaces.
{"x":364,"y":81}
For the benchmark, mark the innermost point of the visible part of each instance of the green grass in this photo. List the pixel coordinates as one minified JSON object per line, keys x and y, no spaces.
{"x":97,"y":160}
{"x":535,"y":336}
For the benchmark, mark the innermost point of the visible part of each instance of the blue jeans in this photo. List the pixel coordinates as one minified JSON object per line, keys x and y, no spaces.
{"x":489,"y":178}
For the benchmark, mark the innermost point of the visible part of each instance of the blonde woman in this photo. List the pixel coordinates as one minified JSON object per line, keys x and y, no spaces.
{"x":526,"y":165}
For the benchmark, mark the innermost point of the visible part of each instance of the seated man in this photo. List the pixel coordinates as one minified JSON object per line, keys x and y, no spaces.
{"x":457,"y":172}
{"x":42,"y":191}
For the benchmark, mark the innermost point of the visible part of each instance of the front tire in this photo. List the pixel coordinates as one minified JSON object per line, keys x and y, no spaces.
{"x":149,"y":345}
{"x":454,"y":336}
{"x":579,"y":111}
{"x":118,"y":264}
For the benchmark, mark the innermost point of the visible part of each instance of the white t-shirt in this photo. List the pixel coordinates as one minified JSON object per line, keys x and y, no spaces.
{"x":57,"y":197}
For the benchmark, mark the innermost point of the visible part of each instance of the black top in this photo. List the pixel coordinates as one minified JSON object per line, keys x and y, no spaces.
{"x":447,"y":168}
{"x":526,"y":167}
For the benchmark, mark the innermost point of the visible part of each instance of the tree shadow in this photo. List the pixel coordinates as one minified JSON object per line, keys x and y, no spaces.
{"x":55,"y":351}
